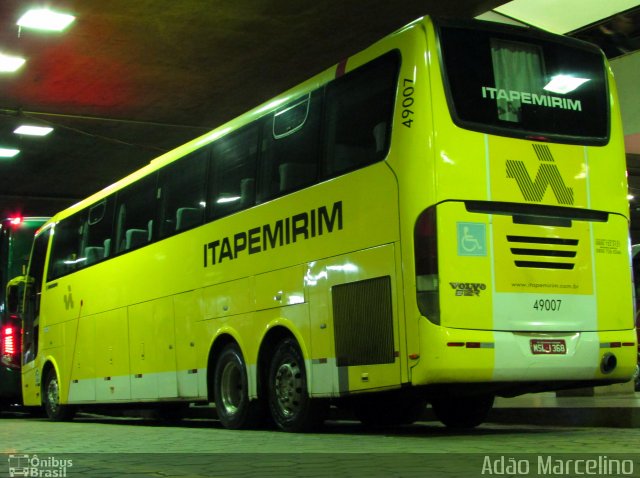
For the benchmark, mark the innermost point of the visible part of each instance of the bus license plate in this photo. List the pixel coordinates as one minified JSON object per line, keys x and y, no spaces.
{"x":548,"y":347}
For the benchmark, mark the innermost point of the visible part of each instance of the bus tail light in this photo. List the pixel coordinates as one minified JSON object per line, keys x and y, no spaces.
{"x":10,"y":346}
{"x":425,"y":240}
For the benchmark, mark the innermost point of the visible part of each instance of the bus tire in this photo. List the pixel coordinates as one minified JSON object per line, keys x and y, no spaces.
{"x":462,"y":412}
{"x":51,"y":398}
{"x":235,"y":410}
{"x":291,"y":407}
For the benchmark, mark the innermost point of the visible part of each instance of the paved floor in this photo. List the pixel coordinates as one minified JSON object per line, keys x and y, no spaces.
{"x":616,"y":410}
{"x":124,"y":447}
{"x":120,"y":447}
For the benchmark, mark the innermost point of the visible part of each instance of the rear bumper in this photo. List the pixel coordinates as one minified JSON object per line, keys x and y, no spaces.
{"x":450,"y":356}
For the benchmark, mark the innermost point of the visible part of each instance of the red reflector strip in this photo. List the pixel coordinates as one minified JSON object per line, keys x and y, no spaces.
{"x":472,"y":345}
{"x":628,"y":344}
{"x":610,"y":345}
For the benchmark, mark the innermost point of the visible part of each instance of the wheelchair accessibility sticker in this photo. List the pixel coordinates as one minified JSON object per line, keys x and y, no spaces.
{"x":472,"y":239}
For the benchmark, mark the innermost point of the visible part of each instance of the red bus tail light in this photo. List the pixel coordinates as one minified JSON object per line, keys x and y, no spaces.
{"x":425,"y":240}
{"x":10,"y":346}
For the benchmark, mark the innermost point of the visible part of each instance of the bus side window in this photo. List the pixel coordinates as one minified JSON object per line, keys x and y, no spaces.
{"x":233,"y":172}
{"x":98,"y":229}
{"x":290,"y":146}
{"x":359,"y":110}
{"x":182,"y":193}
{"x":136,"y":210}
{"x":66,"y":254}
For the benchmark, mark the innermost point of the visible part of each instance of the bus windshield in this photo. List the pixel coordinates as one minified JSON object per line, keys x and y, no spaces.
{"x":512,"y":85}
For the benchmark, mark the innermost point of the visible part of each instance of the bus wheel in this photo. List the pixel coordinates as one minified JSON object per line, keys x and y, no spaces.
{"x":291,"y":407}
{"x":51,"y":397}
{"x":233,"y":406}
{"x":462,"y":412}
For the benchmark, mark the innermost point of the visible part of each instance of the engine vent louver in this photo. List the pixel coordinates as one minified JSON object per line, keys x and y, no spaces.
{"x":363,"y":322}
{"x":543,"y":252}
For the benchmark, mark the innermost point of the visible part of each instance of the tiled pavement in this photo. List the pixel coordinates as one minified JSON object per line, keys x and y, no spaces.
{"x":528,"y":432}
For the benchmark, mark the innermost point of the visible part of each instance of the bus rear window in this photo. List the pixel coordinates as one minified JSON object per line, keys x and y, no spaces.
{"x":504,"y":83}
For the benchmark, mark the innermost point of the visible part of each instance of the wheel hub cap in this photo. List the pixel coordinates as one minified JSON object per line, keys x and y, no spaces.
{"x":288,"y":388}
{"x":231,"y":389}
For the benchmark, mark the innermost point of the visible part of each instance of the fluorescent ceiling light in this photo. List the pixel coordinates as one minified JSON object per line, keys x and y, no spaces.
{"x":45,"y":19}
{"x":33,"y":130}
{"x":563,"y":84}
{"x":8,"y":153}
{"x":563,"y":16}
{"x":10,"y":63}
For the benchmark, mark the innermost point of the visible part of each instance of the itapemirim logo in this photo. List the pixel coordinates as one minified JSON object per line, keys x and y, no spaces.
{"x":548,"y":175}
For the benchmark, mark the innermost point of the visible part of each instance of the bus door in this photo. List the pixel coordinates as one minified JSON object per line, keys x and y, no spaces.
{"x":30,"y":321}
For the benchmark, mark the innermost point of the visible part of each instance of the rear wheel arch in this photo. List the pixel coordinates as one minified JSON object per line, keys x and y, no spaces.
{"x":46,"y":370}
{"x":51,"y":390}
{"x":218,"y":345}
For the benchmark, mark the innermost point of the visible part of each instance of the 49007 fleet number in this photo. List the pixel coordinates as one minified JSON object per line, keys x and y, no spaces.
{"x":547,"y":305}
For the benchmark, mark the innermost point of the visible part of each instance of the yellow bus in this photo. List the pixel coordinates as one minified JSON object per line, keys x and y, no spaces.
{"x":440,"y":218}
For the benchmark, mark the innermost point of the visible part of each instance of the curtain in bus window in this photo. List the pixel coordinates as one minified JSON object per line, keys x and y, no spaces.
{"x":517,"y":67}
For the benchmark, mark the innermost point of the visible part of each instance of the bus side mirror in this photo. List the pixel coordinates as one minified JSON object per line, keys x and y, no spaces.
{"x":13,"y":299}
{"x":14,"y":294}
